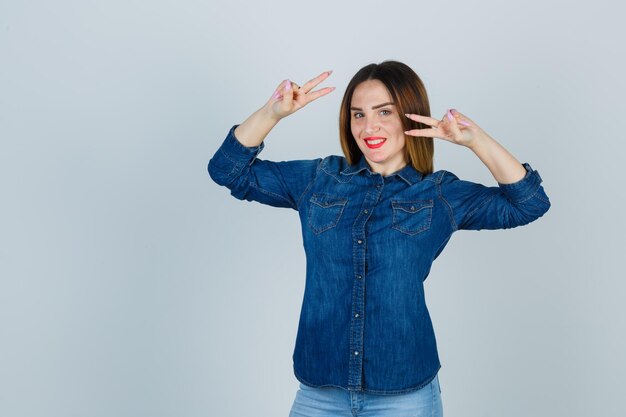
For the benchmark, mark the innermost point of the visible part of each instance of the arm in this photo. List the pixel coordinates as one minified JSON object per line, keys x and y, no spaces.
{"x":519,"y":197}
{"x":502,"y":164}
{"x":474,"y":206}
{"x":255,"y":128}
{"x":235,"y":164}
{"x":287,"y":99}
{"x":278,"y":184}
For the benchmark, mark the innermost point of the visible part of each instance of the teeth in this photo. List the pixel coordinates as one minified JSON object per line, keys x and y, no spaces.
{"x":375,"y":141}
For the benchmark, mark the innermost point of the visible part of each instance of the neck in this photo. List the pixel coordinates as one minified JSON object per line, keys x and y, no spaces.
{"x":386,"y":169}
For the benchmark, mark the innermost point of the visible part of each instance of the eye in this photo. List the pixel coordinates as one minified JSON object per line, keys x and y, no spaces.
{"x":359,"y":115}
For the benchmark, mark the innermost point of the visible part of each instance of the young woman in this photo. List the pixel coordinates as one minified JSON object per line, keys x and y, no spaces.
{"x":373,"y":221}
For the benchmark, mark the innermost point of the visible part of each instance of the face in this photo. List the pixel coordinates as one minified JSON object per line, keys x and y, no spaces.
{"x":377,"y":129}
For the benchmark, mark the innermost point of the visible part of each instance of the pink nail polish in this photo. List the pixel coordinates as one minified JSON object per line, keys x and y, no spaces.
{"x":450,"y":115}
{"x":288,"y":86}
{"x":464,"y":123}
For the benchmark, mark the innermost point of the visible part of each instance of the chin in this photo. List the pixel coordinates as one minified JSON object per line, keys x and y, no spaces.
{"x":378,"y":159}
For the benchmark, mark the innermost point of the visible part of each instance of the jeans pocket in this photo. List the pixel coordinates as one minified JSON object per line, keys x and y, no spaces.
{"x":412,"y":216}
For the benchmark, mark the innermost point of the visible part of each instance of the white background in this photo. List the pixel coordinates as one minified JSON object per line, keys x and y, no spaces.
{"x":132,"y":285}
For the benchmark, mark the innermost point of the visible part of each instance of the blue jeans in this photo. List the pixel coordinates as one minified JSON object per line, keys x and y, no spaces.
{"x":337,"y":402}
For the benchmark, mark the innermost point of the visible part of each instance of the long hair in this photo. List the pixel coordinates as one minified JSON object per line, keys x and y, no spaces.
{"x":409,"y":94}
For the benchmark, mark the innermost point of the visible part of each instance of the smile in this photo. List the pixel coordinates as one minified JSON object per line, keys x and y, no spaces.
{"x":374,"y":142}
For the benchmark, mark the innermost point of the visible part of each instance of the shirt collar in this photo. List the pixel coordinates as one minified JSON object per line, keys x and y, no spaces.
{"x":408,"y":173}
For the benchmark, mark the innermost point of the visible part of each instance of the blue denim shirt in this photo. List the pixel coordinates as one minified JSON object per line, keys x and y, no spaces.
{"x":370,"y":241}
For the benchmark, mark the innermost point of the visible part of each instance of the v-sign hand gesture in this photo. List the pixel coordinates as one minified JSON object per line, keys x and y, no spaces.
{"x":454,"y":127}
{"x":289,"y":97}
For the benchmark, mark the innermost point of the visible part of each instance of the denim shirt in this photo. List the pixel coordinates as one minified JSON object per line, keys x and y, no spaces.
{"x":369,"y":242}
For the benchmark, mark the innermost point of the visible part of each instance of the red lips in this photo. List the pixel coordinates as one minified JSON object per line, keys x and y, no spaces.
{"x":368,"y":141}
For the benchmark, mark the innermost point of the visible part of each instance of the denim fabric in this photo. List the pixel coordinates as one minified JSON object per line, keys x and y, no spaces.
{"x":370,"y":241}
{"x":337,"y":402}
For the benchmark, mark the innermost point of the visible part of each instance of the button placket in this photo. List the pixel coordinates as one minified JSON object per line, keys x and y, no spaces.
{"x":358,"y":294}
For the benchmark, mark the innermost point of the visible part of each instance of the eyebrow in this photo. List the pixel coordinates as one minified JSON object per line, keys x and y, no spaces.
{"x":373,"y":107}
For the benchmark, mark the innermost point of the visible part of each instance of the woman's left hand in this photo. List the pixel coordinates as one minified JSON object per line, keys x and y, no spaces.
{"x":454,"y":127}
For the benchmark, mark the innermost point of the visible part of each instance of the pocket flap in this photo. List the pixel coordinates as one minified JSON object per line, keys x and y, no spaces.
{"x":327,"y":200}
{"x":411,"y":206}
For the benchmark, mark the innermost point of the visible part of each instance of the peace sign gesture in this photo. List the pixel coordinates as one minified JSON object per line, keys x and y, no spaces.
{"x":454,"y":127}
{"x":289,"y":97}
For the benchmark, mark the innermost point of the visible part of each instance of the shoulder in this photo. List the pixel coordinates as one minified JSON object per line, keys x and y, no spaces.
{"x":441,"y":177}
{"x":334,"y":164}
{"x":337,"y":167}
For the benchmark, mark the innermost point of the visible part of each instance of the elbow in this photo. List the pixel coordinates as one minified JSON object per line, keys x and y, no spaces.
{"x":214,"y":173}
{"x":219,"y":173}
{"x":540,"y":203}
{"x":230,"y":177}
{"x":530,"y":210}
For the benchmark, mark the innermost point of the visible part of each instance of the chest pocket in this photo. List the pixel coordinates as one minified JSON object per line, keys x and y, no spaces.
{"x":411,"y":216}
{"x":325,"y":211}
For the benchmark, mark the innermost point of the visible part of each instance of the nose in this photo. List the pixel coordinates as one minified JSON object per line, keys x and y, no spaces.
{"x":371,"y":126}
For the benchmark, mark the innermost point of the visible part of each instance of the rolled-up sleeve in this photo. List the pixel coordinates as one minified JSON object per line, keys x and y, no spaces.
{"x":278,"y":184}
{"x":475,"y":206}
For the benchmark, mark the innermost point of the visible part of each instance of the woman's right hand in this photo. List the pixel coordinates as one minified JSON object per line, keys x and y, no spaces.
{"x":289,"y":97}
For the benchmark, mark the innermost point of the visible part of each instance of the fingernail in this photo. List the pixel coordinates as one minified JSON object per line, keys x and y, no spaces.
{"x":276,"y":94}
{"x":464,"y":123}
{"x":450,"y":115}
{"x":330,"y":72}
{"x":288,"y":86}
{"x":406,"y":114}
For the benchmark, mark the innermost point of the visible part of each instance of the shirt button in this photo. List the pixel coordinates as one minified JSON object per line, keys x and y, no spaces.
{"x":358,"y":276}
{"x":356,"y":315}
{"x":365,"y":211}
{"x":356,"y":352}
{"x":359,"y":241}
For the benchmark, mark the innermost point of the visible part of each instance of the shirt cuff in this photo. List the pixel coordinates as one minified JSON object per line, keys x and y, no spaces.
{"x":525,"y":188}
{"x":236,"y":151}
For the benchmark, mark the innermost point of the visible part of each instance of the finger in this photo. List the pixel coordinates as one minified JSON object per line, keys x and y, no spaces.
{"x":278,"y":91}
{"x":276,"y":96}
{"x":315,"y":81}
{"x":423,"y":119}
{"x":319,"y":93}
{"x":452,"y":124}
{"x":461,"y":118}
{"x":431,"y":133}
{"x":287,"y":94}
{"x":280,"y":85}
{"x":449,"y":116}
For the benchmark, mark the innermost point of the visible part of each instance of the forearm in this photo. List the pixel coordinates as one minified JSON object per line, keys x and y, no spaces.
{"x":255,"y":128}
{"x":502,"y":164}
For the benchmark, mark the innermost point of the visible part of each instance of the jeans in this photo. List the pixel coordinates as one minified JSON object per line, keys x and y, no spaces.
{"x":338,"y":402}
